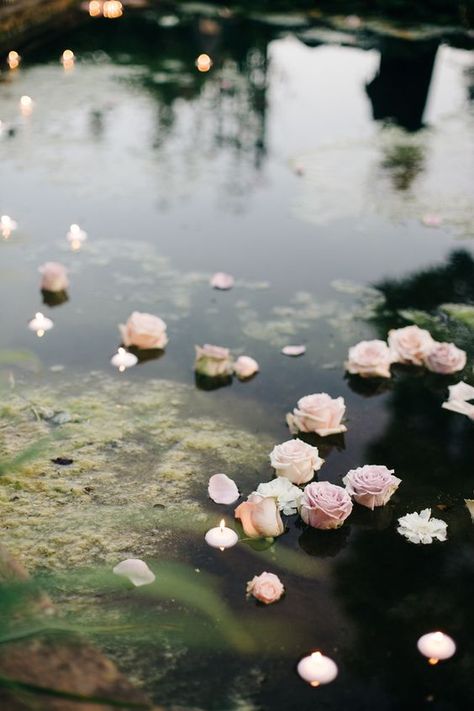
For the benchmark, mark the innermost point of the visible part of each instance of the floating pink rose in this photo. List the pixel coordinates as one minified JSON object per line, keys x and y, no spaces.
{"x":54,"y":277}
{"x":260,"y":517}
{"x":295,"y":460}
{"x":245,"y":367}
{"x":325,"y":505}
{"x":213,"y":361}
{"x":445,"y":358}
{"x":266,"y":587}
{"x":318,"y":413}
{"x":144,"y":331}
{"x":222,"y":489}
{"x":369,"y":359}
{"x":223,"y":281}
{"x":371,"y":485}
{"x":410,"y":344}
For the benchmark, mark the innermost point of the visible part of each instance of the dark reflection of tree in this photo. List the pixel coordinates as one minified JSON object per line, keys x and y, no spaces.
{"x":400,"y":89}
{"x":393,"y":590}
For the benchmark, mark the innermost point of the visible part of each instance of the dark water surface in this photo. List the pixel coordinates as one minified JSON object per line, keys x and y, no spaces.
{"x":175,"y":175}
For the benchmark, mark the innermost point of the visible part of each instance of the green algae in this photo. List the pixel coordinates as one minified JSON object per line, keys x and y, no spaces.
{"x":141,"y":458}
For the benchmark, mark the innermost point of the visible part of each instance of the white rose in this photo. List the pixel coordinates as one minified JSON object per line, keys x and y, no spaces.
{"x":296,"y":460}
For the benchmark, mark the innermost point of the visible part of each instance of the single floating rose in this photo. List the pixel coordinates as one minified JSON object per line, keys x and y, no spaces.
{"x":420,"y":528}
{"x":213,"y":361}
{"x":222,"y":489}
{"x":245,"y":367}
{"x":410,"y":344}
{"x":222,"y":281}
{"x":369,"y":359}
{"x":266,"y":587}
{"x":445,"y":358}
{"x":296,"y":460}
{"x":54,"y":276}
{"x":325,"y":505}
{"x":319,"y":413}
{"x":136,"y":571}
{"x":458,"y":400}
{"x":260,"y":517}
{"x":144,"y":331}
{"x":293,"y":351}
{"x":371,"y":485}
{"x":286,"y":494}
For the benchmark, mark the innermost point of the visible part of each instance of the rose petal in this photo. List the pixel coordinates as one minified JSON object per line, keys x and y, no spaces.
{"x":136,"y":571}
{"x":293,"y":350}
{"x":222,"y":489}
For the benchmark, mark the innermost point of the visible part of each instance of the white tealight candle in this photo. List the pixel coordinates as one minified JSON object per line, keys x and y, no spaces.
{"x":40,"y":324}
{"x":7,"y":226}
{"x":436,"y":646}
{"x":221,"y":537}
{"x":123,"y":360}
{"x":76,"y":237}
{"x":317,"y":669}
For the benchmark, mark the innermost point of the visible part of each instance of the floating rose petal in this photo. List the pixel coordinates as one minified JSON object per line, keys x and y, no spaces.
{"x":294,"y":351}
{"x":136,"y":571}
{"x":223,"y":281}
{"x":245,"y":367}
{"x":432,"y":220}
{"x":222,"y":489}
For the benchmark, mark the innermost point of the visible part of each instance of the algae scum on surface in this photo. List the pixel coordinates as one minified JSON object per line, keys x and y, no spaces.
{"x":141,"y":458}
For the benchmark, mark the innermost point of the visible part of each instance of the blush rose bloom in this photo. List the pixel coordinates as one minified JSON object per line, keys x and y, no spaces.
{"x":445,"y":358}
{"x":260,"y":517}
{"x":213,"y":361}
{"x":266,"y":587}
{"x":144,"y":331}
{"x":295,"y":460}
{"x":325,"y":505}
{"x":371,"y":485}
{"x":410,"y":344}
{"x":245,"y":367}
{"x":369,"y":359}
{"x":54,"y":277}
{"x":318,"y":413}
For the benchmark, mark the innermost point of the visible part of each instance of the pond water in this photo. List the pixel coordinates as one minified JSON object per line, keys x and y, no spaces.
{"x":303,"y":163}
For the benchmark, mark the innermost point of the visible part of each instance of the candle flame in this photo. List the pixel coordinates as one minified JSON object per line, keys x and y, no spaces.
{"x":121,"y":351}
{"x":204,"y":63}
{"x":121,"y":368}
{"x":95,"y":8}
{"x":13,"y":60}
{"x":39,"y":316}
{"x":438,"y":636}
{"x":75,"y":245}
{"x":316,"y":655}
{"x":221,"y":548}
{"x":433,"y":661}
{"x":222,"y":525}
{"x":314,"y":683}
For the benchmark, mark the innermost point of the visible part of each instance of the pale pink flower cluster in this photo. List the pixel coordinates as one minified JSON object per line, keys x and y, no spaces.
{"x":216,"y":362}
{"x":410,"y":345}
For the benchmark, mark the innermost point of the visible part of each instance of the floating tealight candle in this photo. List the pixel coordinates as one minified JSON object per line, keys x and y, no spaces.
{"x":13,"y":59}
{"x":112,"y":9}
{"x":123,"y":360}
{"x":317,"y":669}
{"x":76,"y":237}
{"x":40,"y":324}
{"x":436,"y":646}
{"x":7,"y":226}
{"x":68,"y":59}
{"x":26,"y":105}
{"x":95,"y":8}
{"x":204,"y":63}
{"x":221,"y":537}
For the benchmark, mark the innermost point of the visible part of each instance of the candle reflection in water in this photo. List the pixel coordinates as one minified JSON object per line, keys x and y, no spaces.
{"x":123,"y":360}
{"x":204,"y":63}
{"x":26,"y":105}
{"x":13,"y":59}
{"x":7,"y":226}
{"x":68,"y":59}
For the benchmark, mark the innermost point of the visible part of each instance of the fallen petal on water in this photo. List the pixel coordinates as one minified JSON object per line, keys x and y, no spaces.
{"x":293,"y":350}
{"x":222,"y":489}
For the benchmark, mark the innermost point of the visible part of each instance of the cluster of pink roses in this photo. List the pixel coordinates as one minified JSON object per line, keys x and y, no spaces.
{"x":409,"y":345}
{"x":217,"y":362}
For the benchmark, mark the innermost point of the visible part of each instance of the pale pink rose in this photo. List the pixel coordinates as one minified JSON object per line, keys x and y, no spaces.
{"x":213,"y":361}
{"x":369,"y":359}
{"x":245,"y":367}
{"x":222,"y":489}
{"x":144,"y":331}
{"x":266,"y":587}
{"x":223,"y":281}
{"x":318,"y":413}
{"x":410,"y":344}
{"x":54,"y":277}
{"x":260,"y":517}
{"x":371,"y":485}
{"x":445,"y":358}
{"x":325,"y":505}
{"x":296,"y":460}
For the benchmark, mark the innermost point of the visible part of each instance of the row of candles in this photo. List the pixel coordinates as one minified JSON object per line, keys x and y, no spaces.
{"x":316,"y":668}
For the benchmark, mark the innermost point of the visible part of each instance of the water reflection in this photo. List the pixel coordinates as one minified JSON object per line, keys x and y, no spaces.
{"x":54,"y":298}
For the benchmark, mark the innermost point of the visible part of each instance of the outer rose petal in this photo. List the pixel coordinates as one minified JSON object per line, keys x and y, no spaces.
{"x":260,"y":518}
{"x":136,"y":571}
{"x":222,"y":489}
